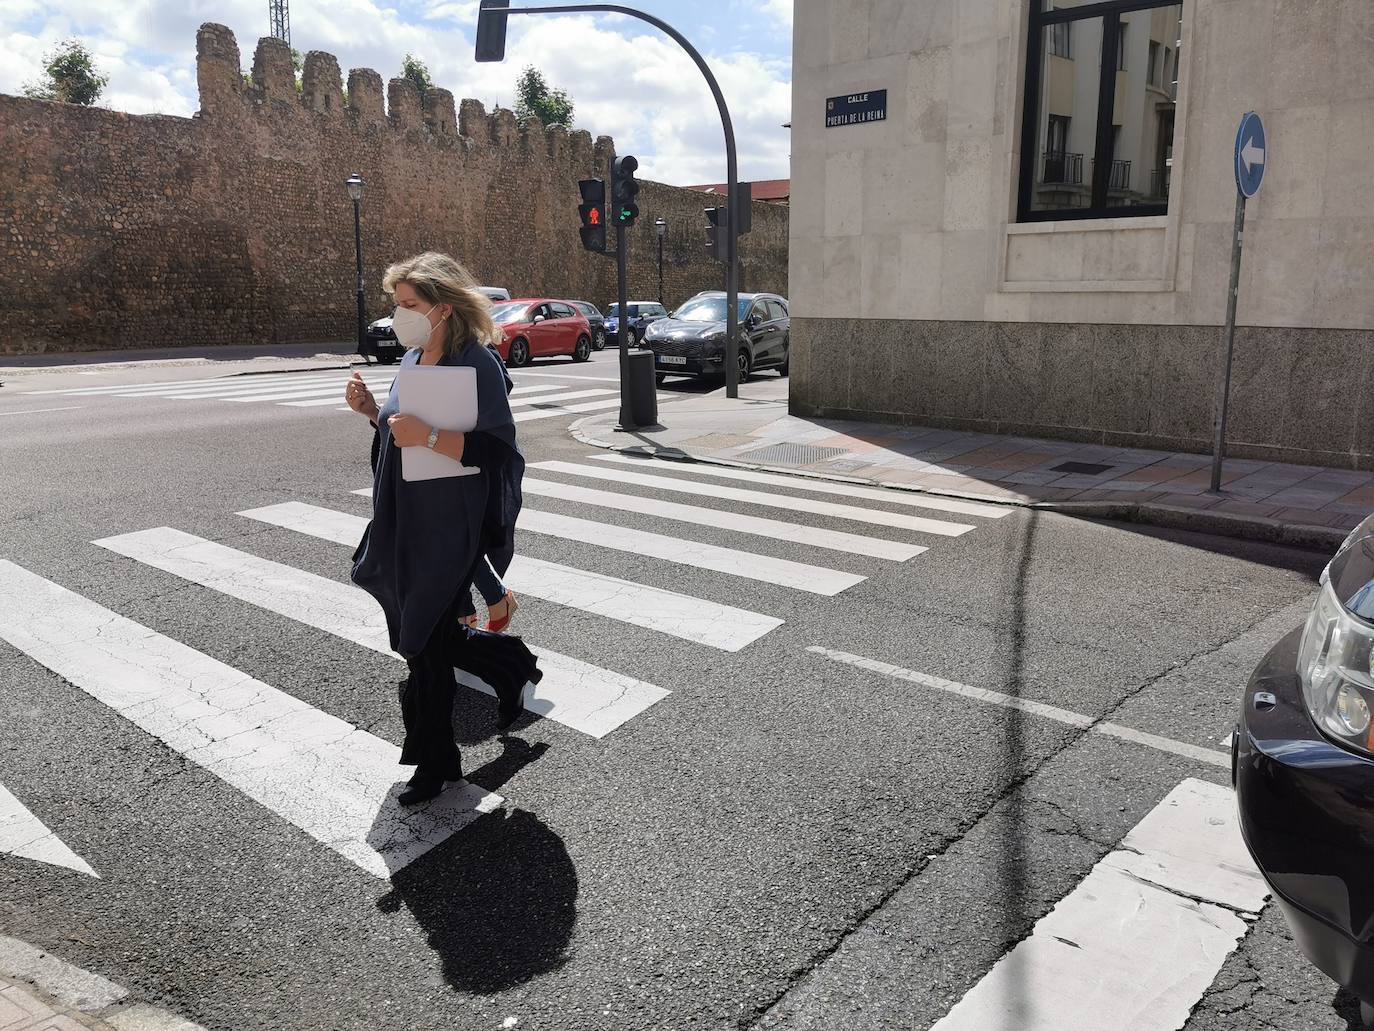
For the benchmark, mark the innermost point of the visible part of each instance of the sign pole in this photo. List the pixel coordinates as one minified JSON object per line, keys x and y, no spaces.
{"x":1224,"y":372}
{"x":1250,"y":159}
{"x":623,"y":295}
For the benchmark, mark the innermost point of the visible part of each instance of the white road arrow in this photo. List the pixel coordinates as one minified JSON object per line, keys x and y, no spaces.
{"x":23,"y":834}
{"x":1251,"y":155}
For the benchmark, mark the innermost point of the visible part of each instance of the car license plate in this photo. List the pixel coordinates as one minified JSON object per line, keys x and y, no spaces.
{"x":672,"y":359}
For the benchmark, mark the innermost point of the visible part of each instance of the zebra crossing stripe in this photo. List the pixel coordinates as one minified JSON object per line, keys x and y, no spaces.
{"x":536,"y":388}
{"x":692,"y":619}
{"x":720,"y":519}
{"x":756,"y":497}
{"x":764,"y":568}
{"x":590,"y":406}
{"x":242,"y":385}
{"x":522,"y":374}
{"x":24,"y":835}
{"x":555,"y":398}
{"x":335,"y":782}
{"x":1142,"y":936}
{"x":580,"y":696}
{"x":815,"y":486}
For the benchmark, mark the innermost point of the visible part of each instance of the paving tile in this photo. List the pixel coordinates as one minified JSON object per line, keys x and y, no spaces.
{"x":1248,"y":508}
{"x":19,"y":1008}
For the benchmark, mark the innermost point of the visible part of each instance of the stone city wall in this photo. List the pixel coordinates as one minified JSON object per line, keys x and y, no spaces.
{"x":234,"y":226}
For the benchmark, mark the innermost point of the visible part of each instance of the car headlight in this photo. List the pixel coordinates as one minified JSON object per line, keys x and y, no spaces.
{"x":1336,"y":669}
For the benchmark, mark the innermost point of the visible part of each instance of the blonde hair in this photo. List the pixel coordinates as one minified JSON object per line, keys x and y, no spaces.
{"x":438,"y":279}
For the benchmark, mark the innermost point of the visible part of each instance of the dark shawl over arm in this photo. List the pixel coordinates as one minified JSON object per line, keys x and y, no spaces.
{"x":425,"y":537}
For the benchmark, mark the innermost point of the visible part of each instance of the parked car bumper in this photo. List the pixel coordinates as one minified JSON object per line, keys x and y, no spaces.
{"x":1306,"y":819}
{"x":382,"y":345}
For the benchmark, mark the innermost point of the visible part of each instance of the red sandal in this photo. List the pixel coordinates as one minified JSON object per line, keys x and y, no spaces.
{"x":495,"y":626}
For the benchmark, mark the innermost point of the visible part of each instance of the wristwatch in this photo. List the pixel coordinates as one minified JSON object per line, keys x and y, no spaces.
{"x":433,"y":439}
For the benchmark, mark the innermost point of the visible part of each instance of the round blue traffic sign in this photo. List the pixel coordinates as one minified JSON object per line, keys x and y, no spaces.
{"x":1250,"y":154}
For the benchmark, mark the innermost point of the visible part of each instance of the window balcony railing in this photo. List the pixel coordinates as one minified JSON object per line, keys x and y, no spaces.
{"x":1120,"y":177}
{"x":1159,"y":183}
{"x":1061,"y":167}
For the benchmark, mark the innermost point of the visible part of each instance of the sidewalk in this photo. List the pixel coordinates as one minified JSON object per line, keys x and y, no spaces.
{"x":1308,"y":506}
{"x":39,"y":992}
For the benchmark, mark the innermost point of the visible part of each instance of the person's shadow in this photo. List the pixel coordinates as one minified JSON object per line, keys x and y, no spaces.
{"x":497,"y":900}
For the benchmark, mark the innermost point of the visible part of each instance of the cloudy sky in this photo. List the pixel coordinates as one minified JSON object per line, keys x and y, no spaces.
{"x":626,"y":79}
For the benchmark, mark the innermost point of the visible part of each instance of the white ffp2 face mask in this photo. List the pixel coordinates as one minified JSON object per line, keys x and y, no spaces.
{"x":412,"y":328}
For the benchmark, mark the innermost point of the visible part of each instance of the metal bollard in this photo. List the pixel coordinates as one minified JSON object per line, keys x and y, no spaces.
{"x":642,"y":388}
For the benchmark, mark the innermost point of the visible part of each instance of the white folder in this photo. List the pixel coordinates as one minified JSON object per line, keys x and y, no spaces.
{"x":442,"y":396}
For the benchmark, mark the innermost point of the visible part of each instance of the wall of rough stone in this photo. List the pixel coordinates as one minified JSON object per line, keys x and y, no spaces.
{"x":234,"y":226}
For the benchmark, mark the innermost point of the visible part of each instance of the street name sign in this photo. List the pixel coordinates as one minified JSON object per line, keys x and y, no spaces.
{"x":854,"y":108}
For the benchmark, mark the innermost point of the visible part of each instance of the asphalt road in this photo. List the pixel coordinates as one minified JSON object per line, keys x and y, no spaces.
{"x":783,"y":839}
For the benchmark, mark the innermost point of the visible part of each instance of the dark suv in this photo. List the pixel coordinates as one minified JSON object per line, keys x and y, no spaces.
{"x":691,"y":341}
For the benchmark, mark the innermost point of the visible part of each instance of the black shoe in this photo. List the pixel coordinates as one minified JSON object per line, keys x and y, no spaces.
{"x":421,"y":788}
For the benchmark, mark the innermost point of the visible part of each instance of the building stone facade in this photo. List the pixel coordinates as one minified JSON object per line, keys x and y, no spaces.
{"x":922,"y":291}
{"x":234,"y":226}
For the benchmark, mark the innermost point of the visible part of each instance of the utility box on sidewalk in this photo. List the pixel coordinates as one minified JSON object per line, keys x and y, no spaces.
{"x":641,"y":388}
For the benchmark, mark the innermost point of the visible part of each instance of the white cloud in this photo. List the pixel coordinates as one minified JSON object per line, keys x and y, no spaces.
{"x":626,"y":80}
{"x":780,"y":9}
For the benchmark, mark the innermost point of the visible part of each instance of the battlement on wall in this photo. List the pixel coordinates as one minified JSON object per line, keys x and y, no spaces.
{"x":400,"y":107}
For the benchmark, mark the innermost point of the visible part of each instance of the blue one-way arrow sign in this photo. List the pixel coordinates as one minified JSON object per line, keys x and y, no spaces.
{"x":1250,"y":154}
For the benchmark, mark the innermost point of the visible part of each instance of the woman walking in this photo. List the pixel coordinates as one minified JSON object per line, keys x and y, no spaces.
{"x":419,"y":553}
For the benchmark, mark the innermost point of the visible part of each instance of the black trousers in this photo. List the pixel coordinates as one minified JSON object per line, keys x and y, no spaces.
{"x":501,"y":661}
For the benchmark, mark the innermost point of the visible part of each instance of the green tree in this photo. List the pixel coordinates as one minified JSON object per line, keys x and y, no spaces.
{"x":298,"y":63}
{"x":534,"y":98}
{"x":71,"y":76}
{"x":416,"y":71}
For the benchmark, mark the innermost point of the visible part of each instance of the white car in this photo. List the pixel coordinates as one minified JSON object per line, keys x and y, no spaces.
{"x":495,"y":294}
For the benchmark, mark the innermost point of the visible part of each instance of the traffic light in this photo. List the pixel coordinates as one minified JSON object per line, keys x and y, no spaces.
{"x":491,"y":31}
{"x":593,"y":215}
{"x":624,"y":190}
{"x":718,"y":233}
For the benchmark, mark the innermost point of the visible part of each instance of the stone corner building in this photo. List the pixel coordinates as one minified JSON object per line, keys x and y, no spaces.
{"x":1036,"y":238}
{"x":234,"y":226}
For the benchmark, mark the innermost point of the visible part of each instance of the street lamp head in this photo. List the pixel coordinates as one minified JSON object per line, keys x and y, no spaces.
{"x":355,"y":186}
{"x":660,"y":225}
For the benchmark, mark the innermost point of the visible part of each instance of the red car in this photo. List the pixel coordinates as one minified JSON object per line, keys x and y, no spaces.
{"x":535,"y":327}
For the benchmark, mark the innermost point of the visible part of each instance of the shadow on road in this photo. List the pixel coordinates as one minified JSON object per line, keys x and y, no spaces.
{"x":497,"y":901}
{"x":1013,"y":843}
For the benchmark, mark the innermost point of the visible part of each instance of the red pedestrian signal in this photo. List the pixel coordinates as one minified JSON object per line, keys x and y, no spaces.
{"x":593,"y":221}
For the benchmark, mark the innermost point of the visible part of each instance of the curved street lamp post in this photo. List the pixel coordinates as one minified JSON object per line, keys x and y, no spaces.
{"x":660,"y":227}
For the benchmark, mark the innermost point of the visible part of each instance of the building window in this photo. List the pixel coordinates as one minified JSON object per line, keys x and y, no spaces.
{"x":1097,"y":137}
{"x":1061,"y":40}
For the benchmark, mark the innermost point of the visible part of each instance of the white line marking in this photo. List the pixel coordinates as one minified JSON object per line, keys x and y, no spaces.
{"x":848,"y":490}
{"x":757,"y":526}
{"x":335,"y":782}
{"x":692,"y":619}
{"x":24,"y":835}
{"x":520,"y":374}
{"x":537,"y":388}
{"x":1050,"y":712}
{"x":556,"y":398}
{"x":764,"y":568}
{"x":36,"y":411}
{"x":590,"y":406}
{"x":255,"y":381}
{"x":758,"y":497}
{"x":251,"y":385}
{"x":584,"y":697}
{"x":1130,"y":946}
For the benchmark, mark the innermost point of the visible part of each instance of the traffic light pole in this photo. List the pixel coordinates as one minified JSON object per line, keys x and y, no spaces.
{"x":622,"y":337}
{"x":496,"y":15}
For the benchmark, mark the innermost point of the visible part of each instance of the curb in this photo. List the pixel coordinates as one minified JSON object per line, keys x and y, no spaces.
{"x":1172,"y":517}
{"x":55,"y":993}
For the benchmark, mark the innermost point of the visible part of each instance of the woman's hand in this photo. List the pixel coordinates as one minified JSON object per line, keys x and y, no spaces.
{"x":359,"y":398}
{"x":408,"y":431}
